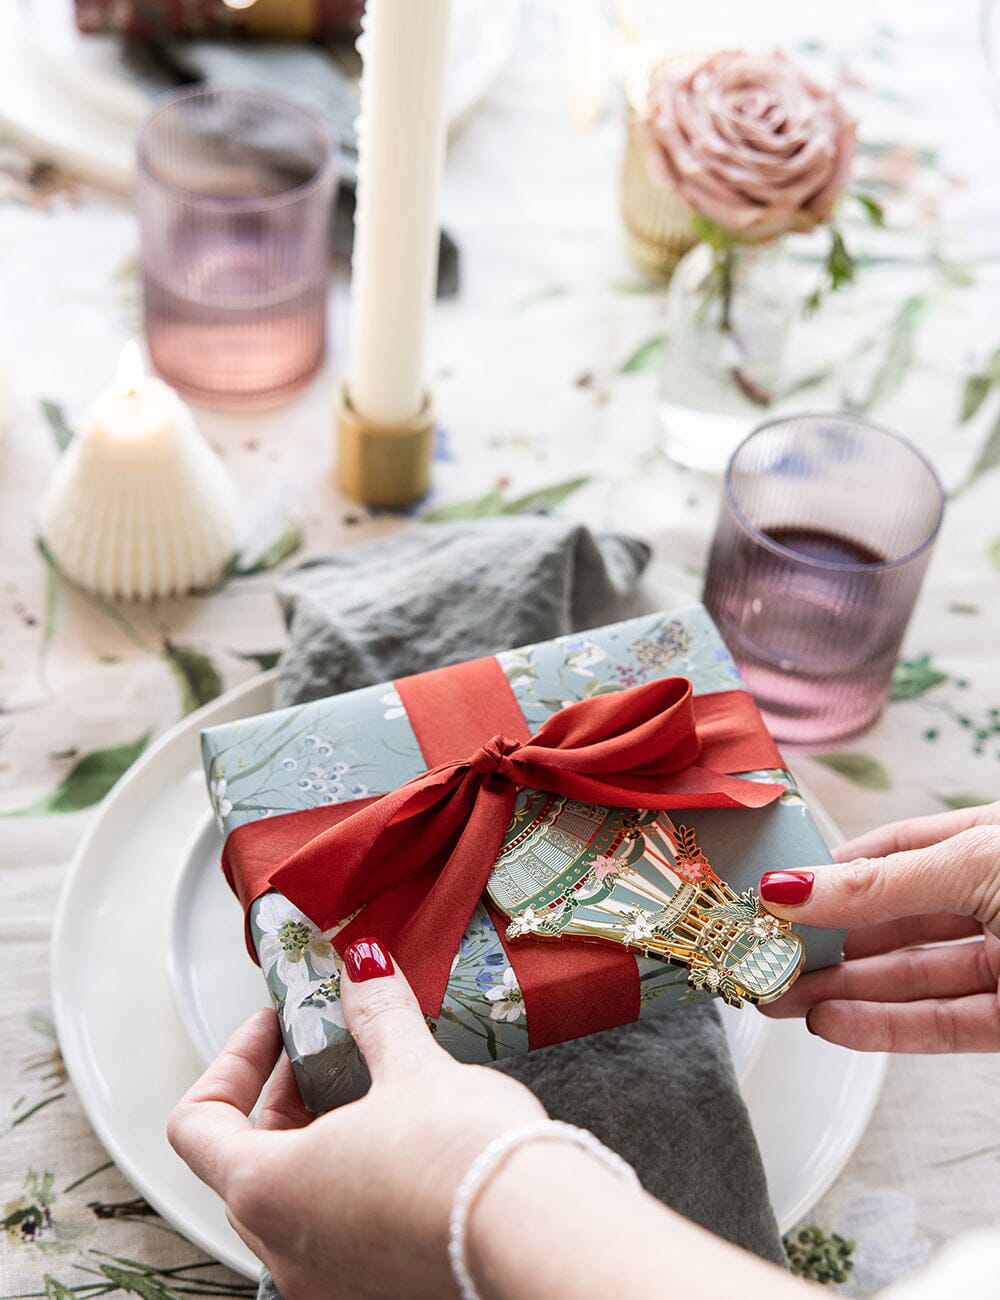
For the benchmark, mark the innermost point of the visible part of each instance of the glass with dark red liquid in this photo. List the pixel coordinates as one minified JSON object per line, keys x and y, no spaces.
{"x":825,"y":531}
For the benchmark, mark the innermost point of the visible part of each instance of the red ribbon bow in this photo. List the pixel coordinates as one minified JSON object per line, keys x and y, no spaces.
{"x":417,"y":860}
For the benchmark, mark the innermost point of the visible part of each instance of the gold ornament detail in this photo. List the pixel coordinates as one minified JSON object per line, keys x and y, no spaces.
{"x":576,"y":871}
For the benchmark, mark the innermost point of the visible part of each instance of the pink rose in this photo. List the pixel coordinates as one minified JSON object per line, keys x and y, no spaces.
{"x":750,"y":142}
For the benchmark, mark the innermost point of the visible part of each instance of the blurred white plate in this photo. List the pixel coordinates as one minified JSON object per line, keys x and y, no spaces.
{"x":142,"y":868}
{"x":67,"y":98}
{"x":216,"y":987}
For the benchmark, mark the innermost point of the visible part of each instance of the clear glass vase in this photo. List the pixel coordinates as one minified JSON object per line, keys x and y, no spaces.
{"x":728,"y":319}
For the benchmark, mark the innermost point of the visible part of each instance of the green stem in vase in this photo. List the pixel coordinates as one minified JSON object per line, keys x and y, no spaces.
{"x":725,"y":268}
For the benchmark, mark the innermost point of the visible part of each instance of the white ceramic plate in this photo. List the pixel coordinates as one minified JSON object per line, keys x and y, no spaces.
{"x":120,"y":927}
{"x":215,"y":987}
{"x":66,"y":96}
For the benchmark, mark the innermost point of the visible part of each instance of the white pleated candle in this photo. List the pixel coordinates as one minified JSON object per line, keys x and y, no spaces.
{"x":139,"y":505}
{"x":401,"y":140}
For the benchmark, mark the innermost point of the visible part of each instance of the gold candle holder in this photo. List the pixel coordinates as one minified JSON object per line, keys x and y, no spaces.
{"x":381,"y":464}
{"x":657,"y":222}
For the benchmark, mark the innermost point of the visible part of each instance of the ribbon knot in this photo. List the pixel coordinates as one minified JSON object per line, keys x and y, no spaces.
{"x":492,"y":758}
{"x":414,"y":863}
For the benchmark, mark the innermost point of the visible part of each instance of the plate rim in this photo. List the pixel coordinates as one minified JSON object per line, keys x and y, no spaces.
{"x":866,"y":1070}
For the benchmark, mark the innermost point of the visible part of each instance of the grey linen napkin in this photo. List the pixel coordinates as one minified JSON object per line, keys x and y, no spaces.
{"x":661,"y":1092}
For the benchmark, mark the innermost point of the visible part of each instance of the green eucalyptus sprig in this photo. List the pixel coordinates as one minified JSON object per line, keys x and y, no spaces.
{"x":840,"y":266}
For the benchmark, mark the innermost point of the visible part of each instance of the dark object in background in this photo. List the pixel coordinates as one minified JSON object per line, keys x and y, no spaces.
{"x":291,"y":19}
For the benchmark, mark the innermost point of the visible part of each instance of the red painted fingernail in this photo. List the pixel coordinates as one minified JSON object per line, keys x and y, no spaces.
{"x":366,"y":959}
{"x":788,"y":887}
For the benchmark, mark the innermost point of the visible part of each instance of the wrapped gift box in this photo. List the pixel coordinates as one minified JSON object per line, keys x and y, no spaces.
{"x":671,"y":883}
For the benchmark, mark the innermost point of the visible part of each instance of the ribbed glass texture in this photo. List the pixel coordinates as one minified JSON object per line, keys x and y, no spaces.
{"x":233,"y":193}
{"x":825,"y":531}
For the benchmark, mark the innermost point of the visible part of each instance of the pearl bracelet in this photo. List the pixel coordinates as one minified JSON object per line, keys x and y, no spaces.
{"x":489,"y":1161}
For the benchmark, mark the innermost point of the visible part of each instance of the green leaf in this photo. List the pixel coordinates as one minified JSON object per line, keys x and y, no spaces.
{"x":545,"y":294}
{"x":896,"y":360}
{"x":264,"y":659}
{"x":913,"y":677}
{"x":257,"y":558}
{"x":711,"y":233}
{"x":494,"y":503}
{"x":974,"y":392}
{"x":50,"y":625}
{"x":542,"y":500}
{"x":840,"y":265}
{"x":144,"y":1284}
{"x":859,"y":768}
{"x":54,"y":1289}
{"x":874,"y":209}
{"x":957,"y":801}
{"x":490,"y":503}
{"x":993,"y":553}
{"x":61,"y":431}
{"x":88,"y":780}
{"x":647,"y":356}
{"x":198,"y":678}
{"x":988,"y":458}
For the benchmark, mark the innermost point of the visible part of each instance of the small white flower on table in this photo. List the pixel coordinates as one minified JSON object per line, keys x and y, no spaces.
{"x":507,"y":998}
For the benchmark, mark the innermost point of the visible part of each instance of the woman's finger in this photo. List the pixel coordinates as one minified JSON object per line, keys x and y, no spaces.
{"x":961,"y":875}
{"x":382,"y":1013}
{"x":969,"y":1024}
{"x":215,"y":1110}
{"x":907,"y":933}
{"x":917,"y":832}
{"x":282,"y":1106}
{"x":951,"y":971}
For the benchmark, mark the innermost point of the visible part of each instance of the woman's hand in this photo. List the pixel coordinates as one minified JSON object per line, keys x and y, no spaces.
{"x":931,"y":881}
{"x":357,"y":1205}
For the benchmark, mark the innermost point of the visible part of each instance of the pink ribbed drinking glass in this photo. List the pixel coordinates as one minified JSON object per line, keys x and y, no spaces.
{"x":826,"y":528}
{"x":233,"y":192}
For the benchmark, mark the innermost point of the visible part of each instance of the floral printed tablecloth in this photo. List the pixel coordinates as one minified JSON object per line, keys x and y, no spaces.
{"x":545,"y":371}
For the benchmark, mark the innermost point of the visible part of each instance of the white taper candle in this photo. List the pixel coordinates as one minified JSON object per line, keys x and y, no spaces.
{"x":401,"y":139}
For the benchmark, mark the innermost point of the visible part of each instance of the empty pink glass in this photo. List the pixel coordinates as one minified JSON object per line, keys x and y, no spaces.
{"x":234,"y":191}
{"x":826,"y":528}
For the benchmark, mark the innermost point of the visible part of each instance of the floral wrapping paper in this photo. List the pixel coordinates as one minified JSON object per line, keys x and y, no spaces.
{"x":361,"y":743}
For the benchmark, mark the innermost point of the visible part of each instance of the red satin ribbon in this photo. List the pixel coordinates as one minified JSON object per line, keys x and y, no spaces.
{"x":416,"y":860}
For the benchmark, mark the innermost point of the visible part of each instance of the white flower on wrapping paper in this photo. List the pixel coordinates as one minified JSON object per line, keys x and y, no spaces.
{"x":288,"y":937}
{"x":223,"y":806}
{"x":507,"y":998}
{"x":393,"y":705}
{"x":583,"y":651}
{"x":289,"y":764}
{"x":308,"y":1016}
